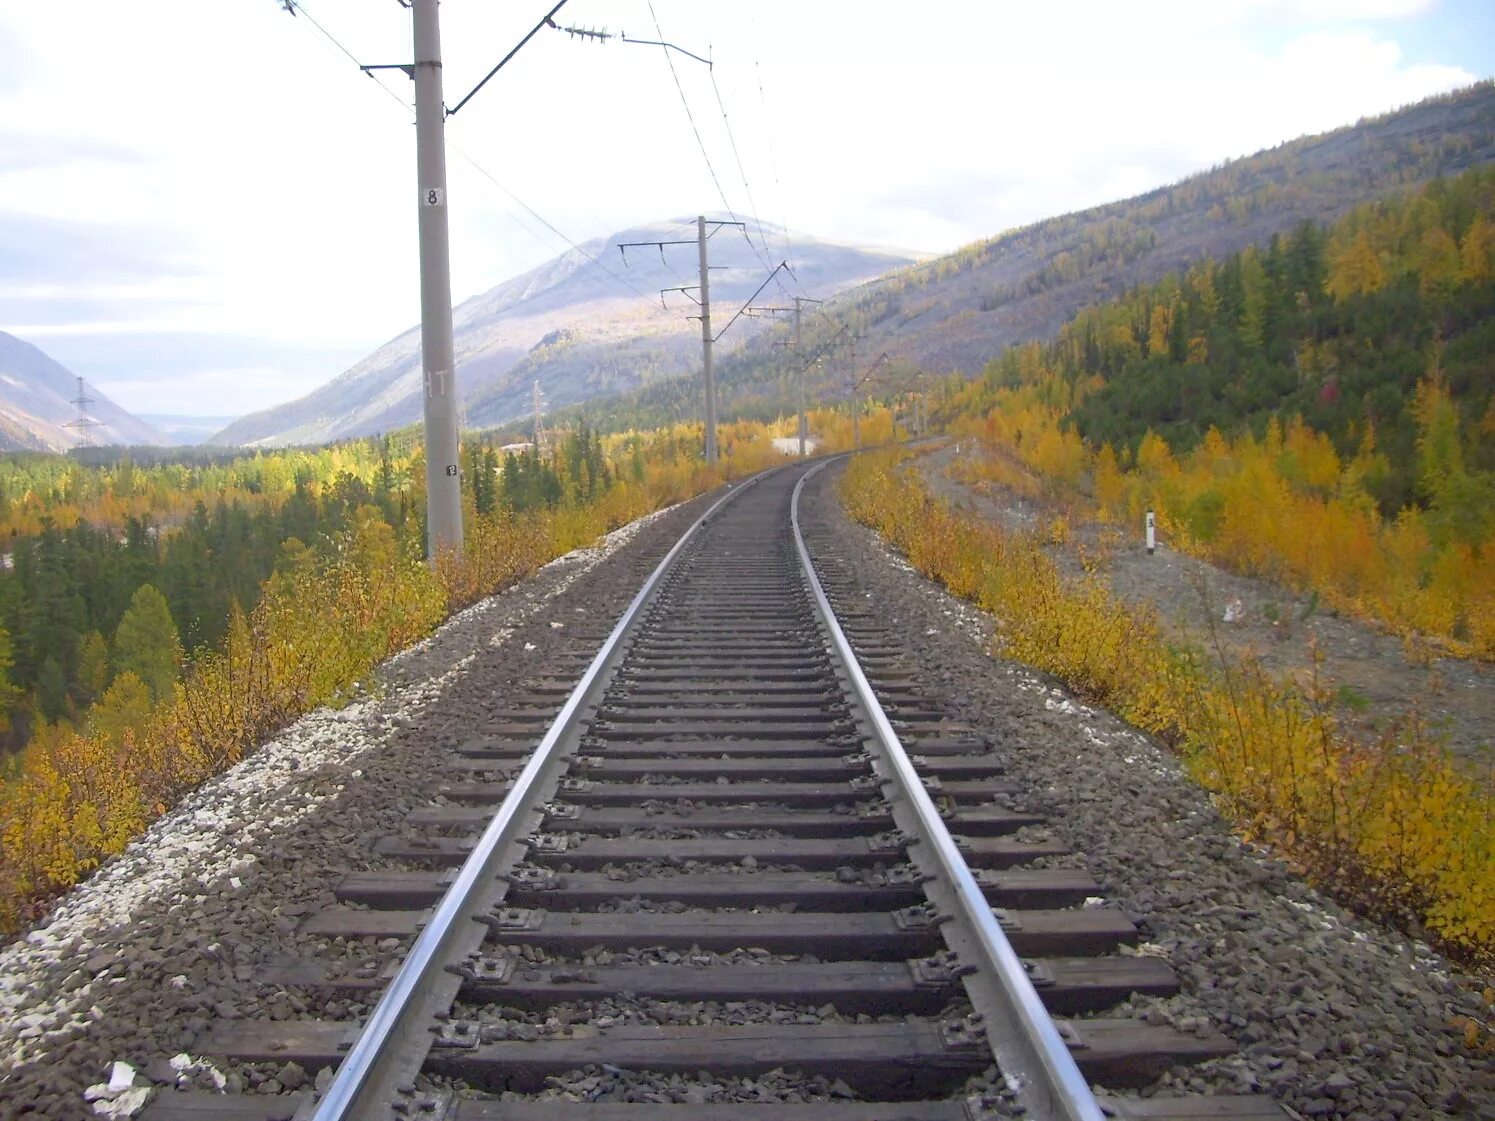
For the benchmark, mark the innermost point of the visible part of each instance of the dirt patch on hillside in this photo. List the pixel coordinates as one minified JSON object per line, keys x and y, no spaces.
{"x":1368,"y":671}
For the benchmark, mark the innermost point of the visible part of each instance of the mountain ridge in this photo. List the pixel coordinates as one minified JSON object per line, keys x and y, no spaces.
{"x":598,"y":301}
{"x":948,"y":313}
{"x":955,"y":312}
{"x":37,"y":405}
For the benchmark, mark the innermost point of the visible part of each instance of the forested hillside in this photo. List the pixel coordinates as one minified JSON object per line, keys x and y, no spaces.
{"x":1317,"y":411}
{"x":202,"y":537}
{"x":955,"y":312}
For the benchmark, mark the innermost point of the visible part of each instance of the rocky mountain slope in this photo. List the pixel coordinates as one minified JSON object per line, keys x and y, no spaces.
{"x":36,"y":395}
{"x":586,"y":325}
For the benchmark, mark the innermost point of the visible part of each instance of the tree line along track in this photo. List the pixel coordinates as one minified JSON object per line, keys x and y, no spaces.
{"x":707,"y":881}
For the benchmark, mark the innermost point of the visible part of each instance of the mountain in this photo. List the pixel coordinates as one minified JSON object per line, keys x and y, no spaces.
{"x":956,"y":312}
{"x":588,"y":324}
{"x":36,"y":405}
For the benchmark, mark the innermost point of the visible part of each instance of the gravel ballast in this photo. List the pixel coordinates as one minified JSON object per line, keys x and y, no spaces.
{"x":1335,"y":1016}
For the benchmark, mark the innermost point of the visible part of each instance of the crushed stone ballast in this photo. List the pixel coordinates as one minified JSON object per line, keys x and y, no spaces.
{"x":722,"y":860}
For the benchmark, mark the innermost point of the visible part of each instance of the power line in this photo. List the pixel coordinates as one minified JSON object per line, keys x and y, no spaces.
{"x":773,"y":161}
{"x":741,"y":171}
{"x":486,"y":174}
{"x":664,"y":48}
{"x":604,"y":35}
{"x":296,"y":6}
{"x":701,"y":143}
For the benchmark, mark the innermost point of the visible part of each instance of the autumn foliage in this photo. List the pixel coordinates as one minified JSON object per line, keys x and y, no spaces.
{"x":327,"y":615}
{"x":1394,"y":822}
{"x":1317,"y":413}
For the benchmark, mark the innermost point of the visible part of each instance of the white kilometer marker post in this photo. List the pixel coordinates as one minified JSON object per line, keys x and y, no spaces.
{"x":1152,"y":533}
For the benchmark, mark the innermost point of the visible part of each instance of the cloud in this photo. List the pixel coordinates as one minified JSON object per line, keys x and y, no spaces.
{"x":31,"y":151}
{"x":84,"y":308}
{"x":218,"y":392}
{"x":17,"y":65}
{"x":1355,"y":10}
{"x":40,"y":250}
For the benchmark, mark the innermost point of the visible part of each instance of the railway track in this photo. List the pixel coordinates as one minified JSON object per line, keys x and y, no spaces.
{"x":741,"y":869}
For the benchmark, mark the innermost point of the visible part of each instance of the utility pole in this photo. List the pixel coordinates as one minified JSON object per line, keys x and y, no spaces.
{"x":856,"y":396}
{"x":706,"y":344}
{"x":83,"y":422}
{"x":704,"y":301}
{"x":856,"y":388}
{"x":438,"y":357}
{"x":804,"y":423}
{"x":539,"y":423}
{"x":795,"y":346}
{"x":801,"y":378}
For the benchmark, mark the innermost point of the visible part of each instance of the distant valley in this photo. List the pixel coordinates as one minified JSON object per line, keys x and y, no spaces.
{"x":186,"y":429}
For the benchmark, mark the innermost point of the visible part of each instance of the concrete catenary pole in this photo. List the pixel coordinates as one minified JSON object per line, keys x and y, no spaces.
{"x":856,"y":399}
{"x":706,"y":343}
{"x":438,"y":361}
{"x":804,"y":426}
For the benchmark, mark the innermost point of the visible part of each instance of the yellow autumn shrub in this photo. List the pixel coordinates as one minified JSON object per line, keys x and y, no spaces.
{"x":1284,"y":506}
{"x":1395,"y":823}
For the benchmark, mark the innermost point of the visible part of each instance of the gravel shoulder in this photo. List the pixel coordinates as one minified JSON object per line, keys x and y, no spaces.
{"x":1376,"y":680}
{"x":1334,"y":1016}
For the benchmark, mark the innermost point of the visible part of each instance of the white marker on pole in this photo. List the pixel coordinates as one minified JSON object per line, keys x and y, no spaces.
{"x":1152,"y":533}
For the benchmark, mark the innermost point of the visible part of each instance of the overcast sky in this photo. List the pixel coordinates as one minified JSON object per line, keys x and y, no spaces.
{"x":205,"y":208}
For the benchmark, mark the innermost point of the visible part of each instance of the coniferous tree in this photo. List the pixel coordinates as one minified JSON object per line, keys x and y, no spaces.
{"x":146,"y":643}
{"x":51,"y":689}
{"x":9,"y":693}
{"x":93,"y":669}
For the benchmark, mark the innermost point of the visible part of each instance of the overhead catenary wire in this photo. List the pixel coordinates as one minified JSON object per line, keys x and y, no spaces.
{"x":773,"y":163}
{"x":667,"y":47}
{"x":741,"y":171}
{"x":690,"y":116}
{"x":297,"y":7}
{"x":294,"y":6}
{"x":596,"y":262}
{"x":706,"y":156}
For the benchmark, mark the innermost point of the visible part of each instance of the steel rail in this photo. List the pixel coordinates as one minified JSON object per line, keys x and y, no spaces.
{"x":1027,"y":1046}
{"x":360,"y":1089}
